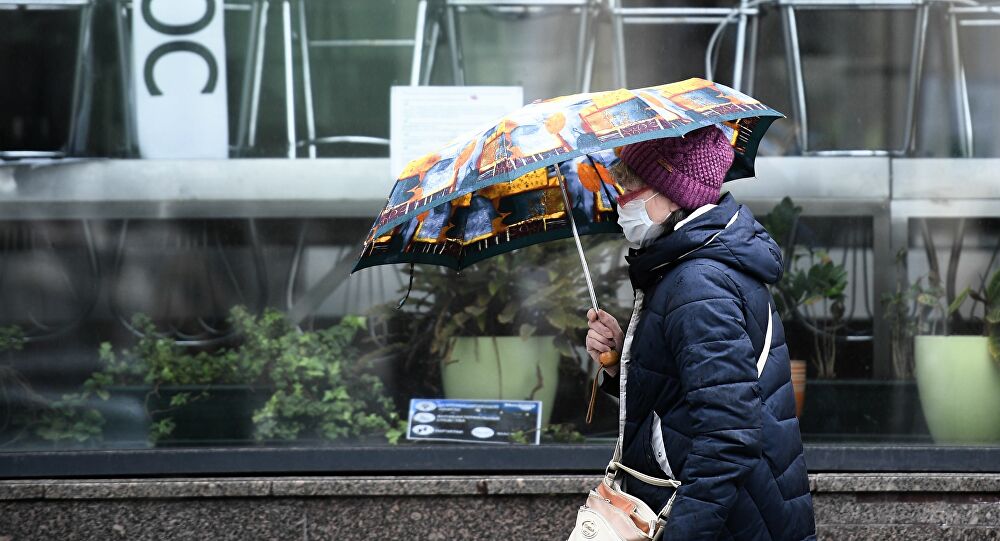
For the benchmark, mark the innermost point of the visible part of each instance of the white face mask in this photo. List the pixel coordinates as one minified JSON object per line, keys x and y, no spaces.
{"x":639,"y":228}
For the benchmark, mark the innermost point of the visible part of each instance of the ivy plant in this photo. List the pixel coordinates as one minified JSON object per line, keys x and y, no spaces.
{"x":317,"y":383}
{"x":323,"y":387}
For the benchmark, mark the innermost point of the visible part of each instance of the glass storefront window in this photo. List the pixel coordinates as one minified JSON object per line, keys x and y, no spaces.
{"x":204,"y":299}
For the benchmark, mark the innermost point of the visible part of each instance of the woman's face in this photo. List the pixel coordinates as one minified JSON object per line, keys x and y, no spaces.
{"x":658,"y":206}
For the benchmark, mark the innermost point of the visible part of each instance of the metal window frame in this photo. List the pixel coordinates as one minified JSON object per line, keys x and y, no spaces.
{"x":622,"y":15}
{"x":83,"y":75}
{"x":586,"y":41}
{"x":448,"y":459}
{"x":788,"y":8}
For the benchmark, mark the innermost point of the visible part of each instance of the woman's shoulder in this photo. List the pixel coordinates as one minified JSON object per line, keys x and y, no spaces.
{"x":691,"y":281}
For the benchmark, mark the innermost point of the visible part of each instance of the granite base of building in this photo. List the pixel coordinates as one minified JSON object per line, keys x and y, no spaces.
{"x":848,"y":506}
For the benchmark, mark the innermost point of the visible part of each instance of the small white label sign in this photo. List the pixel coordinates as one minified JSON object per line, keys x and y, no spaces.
{"x":425,"y":118}
{"x":179,"y":77}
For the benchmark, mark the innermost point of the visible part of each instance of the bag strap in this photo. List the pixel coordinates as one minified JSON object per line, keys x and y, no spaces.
{"x":656,"y":481}
{"x":615,"y":465}
{"x":766,"y":351}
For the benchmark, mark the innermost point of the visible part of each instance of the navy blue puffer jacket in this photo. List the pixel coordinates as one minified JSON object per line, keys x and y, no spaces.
{"x":730,"y":437}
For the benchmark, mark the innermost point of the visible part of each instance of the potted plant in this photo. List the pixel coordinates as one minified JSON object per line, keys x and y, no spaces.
{"x":496,"y":330}
{"x":276,"y":384}
{"x":813,"y":286}
{"x":959,"y":376}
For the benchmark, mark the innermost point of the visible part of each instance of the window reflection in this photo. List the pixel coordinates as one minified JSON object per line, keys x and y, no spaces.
{"x":217,"y":321}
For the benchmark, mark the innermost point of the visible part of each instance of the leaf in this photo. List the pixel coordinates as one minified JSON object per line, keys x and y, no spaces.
{"x":993,"y":345}
{"x":993,"y":289}
{"x":927,"y":299}
{"x":507,"y":314}
{"x":957,"y":303}
{"x":518,"y":436}
{"x":475,"y":310}
{"x":526,"y":331}
{"x":563,"y":346}
{"x":179,"y":399}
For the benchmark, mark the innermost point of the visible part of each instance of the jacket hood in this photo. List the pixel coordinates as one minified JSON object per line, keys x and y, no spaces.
{"x":728,"y":233}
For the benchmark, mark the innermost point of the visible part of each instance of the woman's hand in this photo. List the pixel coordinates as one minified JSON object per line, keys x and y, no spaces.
{"x":604,"y":335}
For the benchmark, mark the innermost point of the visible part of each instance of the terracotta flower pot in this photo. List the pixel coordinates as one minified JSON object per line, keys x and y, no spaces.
{"x":799,"y":385}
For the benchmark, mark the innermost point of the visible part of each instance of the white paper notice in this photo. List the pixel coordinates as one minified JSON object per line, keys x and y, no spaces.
{"x":179,"y":76}
{"x":425,"y":118}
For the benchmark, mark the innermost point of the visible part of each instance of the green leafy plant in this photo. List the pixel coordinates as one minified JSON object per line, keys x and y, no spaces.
{"x":323,"y":386}
{"x":920,"y":309}
{"x":812,"y":290}
{"x":319,"y":385}
{"x":14,"y":416}
{"x":539,"y":290}
{"x":991,"y":300}
{"x":11,"y":338}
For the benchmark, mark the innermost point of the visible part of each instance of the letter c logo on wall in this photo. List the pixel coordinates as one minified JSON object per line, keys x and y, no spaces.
{"x":178,"y":51}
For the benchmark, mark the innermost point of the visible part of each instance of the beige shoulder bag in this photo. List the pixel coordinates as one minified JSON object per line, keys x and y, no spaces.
{"x":610,"y":514}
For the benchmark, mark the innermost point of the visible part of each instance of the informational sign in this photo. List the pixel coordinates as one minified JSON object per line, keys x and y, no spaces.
{"x":179,"y":77}
{"x":425,"y":118}
{"x":475,"y":421}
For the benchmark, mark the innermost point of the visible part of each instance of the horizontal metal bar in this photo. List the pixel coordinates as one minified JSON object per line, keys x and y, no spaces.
{"x":72,"y":188}
{"x":834,"y":179}
{"x":30,"y":154}
{"x":945,"y":208}
{"x":937,"y":178}
{"x":848,"y":153}
{"x":852,"y":4}
{"x":228,"y":6}
{"x":835,"y":208}
{"x":353,"y":139}
{"x":457,"y":459}
{"x":163,"y":189}
{"x":519,"y":3}
{"x":362,"y":43}
{"x":719,"y":13}
{"x":974,"y":10}
{"x":674,"y":20}
{"x":979,"y":22}
{"x":43,"y":3}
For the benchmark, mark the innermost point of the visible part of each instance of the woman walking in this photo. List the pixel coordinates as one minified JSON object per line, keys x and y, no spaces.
{"x":696,"y":408}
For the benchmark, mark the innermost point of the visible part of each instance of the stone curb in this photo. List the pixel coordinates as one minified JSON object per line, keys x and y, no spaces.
{"x":285,"y":487}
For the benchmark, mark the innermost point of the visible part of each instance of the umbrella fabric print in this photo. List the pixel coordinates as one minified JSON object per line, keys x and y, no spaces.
{"x":556,"y":130}
{"x":504,"y":217}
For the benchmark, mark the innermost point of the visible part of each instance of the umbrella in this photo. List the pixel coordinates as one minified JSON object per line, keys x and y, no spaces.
{"x":509,"y":185}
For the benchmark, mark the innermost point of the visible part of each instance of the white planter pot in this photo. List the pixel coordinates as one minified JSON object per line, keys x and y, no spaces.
{"x":503,"y":367}
{"x":959,"y":388}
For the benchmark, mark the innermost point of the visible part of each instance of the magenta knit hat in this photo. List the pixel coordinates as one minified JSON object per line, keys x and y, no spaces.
{"x":688,"y":170}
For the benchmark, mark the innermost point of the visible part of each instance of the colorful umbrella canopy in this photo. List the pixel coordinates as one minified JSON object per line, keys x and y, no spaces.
{"x":501,"y":188}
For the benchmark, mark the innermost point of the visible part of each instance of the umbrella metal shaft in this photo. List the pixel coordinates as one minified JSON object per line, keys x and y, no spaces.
{"x":576,"y":238}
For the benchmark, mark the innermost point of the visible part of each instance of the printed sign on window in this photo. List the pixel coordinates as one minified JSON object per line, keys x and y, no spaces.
{"x":475,"y":421}
{"x":426,"y":118}
{"x":179,"y":77}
